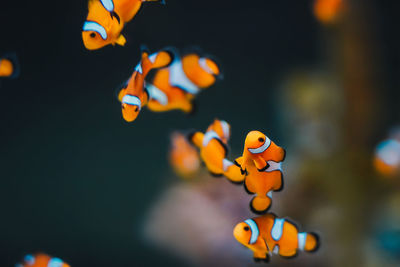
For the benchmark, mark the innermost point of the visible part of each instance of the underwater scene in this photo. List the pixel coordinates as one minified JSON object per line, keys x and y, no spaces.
{"x":200,"y":133}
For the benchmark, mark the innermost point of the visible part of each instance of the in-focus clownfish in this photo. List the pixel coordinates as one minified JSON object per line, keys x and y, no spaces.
{"x":184,"y":158}
{"x":261,"y":164}
{"x":269,"y":234}
{"x":327,"y":11}
{"x":41,"y":260}
{"x":9,"y":67}
{"x":133,"y":96}
{"x":106,"y":19}
{"x":387,"y":157}
{"x":213,"y":151}
{"x":176,"y":86}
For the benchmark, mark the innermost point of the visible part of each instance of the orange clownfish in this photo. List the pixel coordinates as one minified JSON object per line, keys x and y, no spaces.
{"x":184,"y":158}
{"x":106,"y":19}
{"x":41,"y":260}
{"x":133,"y":96}
{"x":327,"y":11}
{"x":9,"y":67}
{"x":213,"y":151}
{"x":176,"y":86}
{"x":269,"y":234}
{"x":261,"y":163}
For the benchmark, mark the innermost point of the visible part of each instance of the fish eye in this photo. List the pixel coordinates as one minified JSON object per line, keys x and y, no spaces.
{"x":136,"y":109}
{"x":246,"y":228}
{"x":261,"y":139}
{"x":92,"y":34}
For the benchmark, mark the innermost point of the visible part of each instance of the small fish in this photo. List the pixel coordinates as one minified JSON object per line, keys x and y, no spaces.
{"x":214,"y":149}
{"x":184,"y":158}
{"x":133,"y":96}
{"x":106,"y":19}
{"x":41,"y":260}
{"x":269,"y":234}
{"x":387,"y":157}
{"x":261,"y":164}
{"x":175,"y":87}
{"x":327,"y":11}
{"x":9,"y":67}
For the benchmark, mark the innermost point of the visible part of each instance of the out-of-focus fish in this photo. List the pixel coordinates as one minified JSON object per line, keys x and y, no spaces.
{"x":9,"y":67}
{"x":213,"y":151}
{"x":387,"y":157}
{"x":41,"y":260}
{"x":106,"y":19}
{"x":175,"y":87}
{"x":133,"y":96}
{"x":261,"y":163}
{"x":269,"y":234}
{"x":183,"y":157}
{"x":327,"y":11}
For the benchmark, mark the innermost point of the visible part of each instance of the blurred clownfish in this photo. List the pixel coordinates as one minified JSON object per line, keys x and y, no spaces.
{"x":213,"y":151}
{"x":387,"y":157}
{"x":9,"y":67}
{"x":176,"y":86}
{"x":133,"y":96}
{"x":184,"y":158}
{"x":269,"y":234}
{"x":106,"y":19}
{"x":327,"y":11}
{"x":41,"y":260}
{"x":261,"y":163}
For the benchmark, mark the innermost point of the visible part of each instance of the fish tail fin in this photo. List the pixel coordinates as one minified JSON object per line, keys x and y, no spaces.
{"x":232,"y":172}
{"x":260,"y":205}
{"x":156,"y":60}
{"x":308,"y":241}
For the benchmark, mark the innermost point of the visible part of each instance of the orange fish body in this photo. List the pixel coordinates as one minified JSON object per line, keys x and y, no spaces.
{"x":269,"y":234}
{"x":134,"y":96}
{"x":9,"y":66}
{"x":183,"y":156}
{"x":213,"y":151}
{"x":327,"y":11}
{"x":261,"y":163}
{"x":41,"y":260}
{"x":105,"y":21}
{"x":175,"y":87}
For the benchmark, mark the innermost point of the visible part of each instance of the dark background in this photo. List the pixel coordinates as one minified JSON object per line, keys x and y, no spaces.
{"x":76,"y":179}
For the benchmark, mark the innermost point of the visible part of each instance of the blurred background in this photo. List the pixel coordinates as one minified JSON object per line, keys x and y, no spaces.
{"x":79,"y":183}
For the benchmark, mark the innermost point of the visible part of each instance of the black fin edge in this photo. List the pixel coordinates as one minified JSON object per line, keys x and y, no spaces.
{"x":259,"y":212}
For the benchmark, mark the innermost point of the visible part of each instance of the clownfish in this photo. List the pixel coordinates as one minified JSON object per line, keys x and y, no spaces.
{"x":269,"y":234}
{"x":184,"y":158}
{"x":41,"y":260}
{"x":214,"y":149}
{"x":134,"y":96}
{"x":327,"y":11}
{"x":261,"y":163}
{"x":9,"y":67}
{"x":387,"y":157}
{"x":106,"y":19}
{"x":176,"y":86}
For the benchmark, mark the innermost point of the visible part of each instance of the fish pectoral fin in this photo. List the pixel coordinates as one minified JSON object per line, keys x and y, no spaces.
{"x":260,"y":163}
{"x":121,"y":94}
{"x":121,"y":40}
